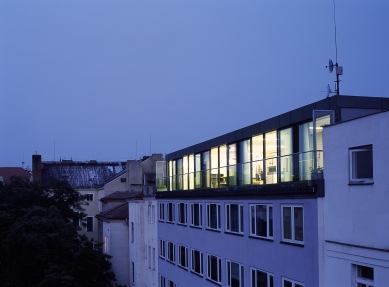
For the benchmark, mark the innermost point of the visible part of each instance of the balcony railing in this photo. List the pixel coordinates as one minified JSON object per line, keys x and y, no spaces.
{"x":288,"y":168}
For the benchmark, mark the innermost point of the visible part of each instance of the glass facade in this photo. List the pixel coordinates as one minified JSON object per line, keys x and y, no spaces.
{"x":267,"y":158}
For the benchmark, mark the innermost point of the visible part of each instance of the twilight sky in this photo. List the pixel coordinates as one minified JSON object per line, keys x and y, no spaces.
{"x":97,"y":77}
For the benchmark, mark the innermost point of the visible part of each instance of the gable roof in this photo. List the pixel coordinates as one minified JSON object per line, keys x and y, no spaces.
{"x":118,"y":212}
{"x":122,"y":196}
{"x":8,"y":172}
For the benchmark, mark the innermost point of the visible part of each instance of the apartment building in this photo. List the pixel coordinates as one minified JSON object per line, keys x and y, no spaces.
{"x":246,"y":208}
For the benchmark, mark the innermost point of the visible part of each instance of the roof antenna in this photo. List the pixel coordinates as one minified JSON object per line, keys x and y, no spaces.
{"x":23,"y":161}
{"x":331,"y":65}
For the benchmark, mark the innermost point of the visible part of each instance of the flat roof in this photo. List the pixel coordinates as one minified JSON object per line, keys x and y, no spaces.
{"x":296,"y":116}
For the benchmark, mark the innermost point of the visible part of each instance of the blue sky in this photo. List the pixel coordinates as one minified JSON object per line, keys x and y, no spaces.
{"x":97,"y":77}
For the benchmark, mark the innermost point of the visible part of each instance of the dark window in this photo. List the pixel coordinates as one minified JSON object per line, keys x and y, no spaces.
{"x":123,"y":179}
{"x":89,"y":223}
{"x":361,"y":164}
{"x":89,"y":197}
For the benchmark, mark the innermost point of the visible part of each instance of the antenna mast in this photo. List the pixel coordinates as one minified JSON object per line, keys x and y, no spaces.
{"x":338,"y":69}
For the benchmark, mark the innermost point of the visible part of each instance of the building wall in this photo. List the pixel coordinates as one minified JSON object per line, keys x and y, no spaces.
{"x":117,"y":233}
{"x":91,"y":210}
{"x":356,"y":217}
{"x":145,"y":236}
{"x":297,"y":262}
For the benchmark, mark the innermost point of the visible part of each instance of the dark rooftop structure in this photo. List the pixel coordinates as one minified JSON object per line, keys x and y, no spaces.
{"x":117,"y":212}
{"x":122,"y":196}
{"x":8,"y":172}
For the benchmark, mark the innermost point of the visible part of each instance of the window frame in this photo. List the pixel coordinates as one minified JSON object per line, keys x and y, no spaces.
{"x":89,"y":197}
{"x":162,"y":281}
{"x":218,"y":267}
{"x":171,"y":246}
{"x":200,"y":215}
{"x":229,"y":273}
{"x":170,"y":210}
{"x":294,"y":282}
{"x":88,"y":225}
{"x":292,"y":223}
{"x":353,"y":167}
{"x":363,"y":280}
{"x":268,"y":227}
{"x":228,"y":218}
{"x":161,"y":211}
{"x":186,"y":256}
{"x":179,"y":207}
{"x":254,"y":280}
{"x":192,"y":265}
{"x":218,"y":213}
{"x":162,"y":248}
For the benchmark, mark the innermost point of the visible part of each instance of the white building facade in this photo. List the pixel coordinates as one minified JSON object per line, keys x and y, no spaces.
{"x":356,"y":202}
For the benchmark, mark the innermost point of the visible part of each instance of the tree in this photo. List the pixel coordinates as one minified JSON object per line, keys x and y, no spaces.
{"x":40,"y":245}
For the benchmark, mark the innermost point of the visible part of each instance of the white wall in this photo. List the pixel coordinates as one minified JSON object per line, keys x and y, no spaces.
{"x":356,"y":217}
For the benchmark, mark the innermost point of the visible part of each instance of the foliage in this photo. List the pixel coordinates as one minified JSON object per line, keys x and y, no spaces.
{"x":39,"y":244}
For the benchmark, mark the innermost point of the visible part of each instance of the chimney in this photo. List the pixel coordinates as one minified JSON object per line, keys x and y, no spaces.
{"x":36,"y":167}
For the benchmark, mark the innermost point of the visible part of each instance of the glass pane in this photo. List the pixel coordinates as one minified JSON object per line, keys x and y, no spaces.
{"x":261,"y":221}
{"x":214,"y":168}
{"x":287,"y":222}
{"x":270,"y":221}
{"x":234,"y":209}
{"x":191,"y":171}
{"x":244,"y":160}
{"x":287,"y":283}
{"x":205,"y":167}
{"x":271,"y":157}
{"x":179,"y":174}
{"x":252,"y":208}
{"x":261,"y":279}
{"x":305,"y":145}
{"x":235,"y":275}
{"x":185,"y":171}
{"x":362,"y":164}
{"x":257,"y":158}
{"x":198,"y":171}
{"x":213,"y":264}
{"x":366,"y":272}
{"x":286,"y":148}
{"x":298,"y":224}
{"x":232,"y":165}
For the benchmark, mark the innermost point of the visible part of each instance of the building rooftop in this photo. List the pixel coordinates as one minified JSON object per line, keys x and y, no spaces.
{"x":8,"y":172}
{"x":122,"y":196}
{"x":118,"y":212}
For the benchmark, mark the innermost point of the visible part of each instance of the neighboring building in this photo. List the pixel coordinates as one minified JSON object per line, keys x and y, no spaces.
{"x":356,"y":205}
{"x":131,"y":238}
{"x":6,"y":174}
{"x":87,"y":177}
{"x":246,"y":208}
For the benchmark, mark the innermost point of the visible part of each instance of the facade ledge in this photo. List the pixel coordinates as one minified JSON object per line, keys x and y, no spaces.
{"x":261,"y":238}
{"x":292,"y":243}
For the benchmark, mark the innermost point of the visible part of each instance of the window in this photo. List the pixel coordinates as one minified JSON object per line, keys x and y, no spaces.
{"x":235,"y":274}
{"x":234,"y":218}
{"x":261,"y":220}
{"x":196,"y":210}
{"x":197,"y":262}
{"x":162,"y":249}
{"x":170,"y":283}
{"x":293,"y":224}
{"x":213,"y":216}
{"x":291,"y":283}
{"x":106,"y":246}
{"x":153,"y":259}
{"x":361,"y":164}
{"x":171,"y":252}
{"x":132,"y":232}
{"x":170,"y":212}
{"x":161,"y":212}
{"x":162,"y":281}
{"x":149,"y":257}
{"x":89,"y":223}
{"x":89,"y":197}
{"x":123,"y":179}
{"x":261,"y":278}
{"x":365,"y":276}
{"x":132,"y":272}
{"x":183,"y":256}
{"x":214,"y":268}
{"x":182,"y":207}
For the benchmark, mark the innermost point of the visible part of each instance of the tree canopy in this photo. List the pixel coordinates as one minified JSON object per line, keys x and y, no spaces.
{"x":40,"y":246}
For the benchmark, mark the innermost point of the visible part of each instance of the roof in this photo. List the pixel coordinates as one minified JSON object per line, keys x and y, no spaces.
{"x":118,"y":212}
{"x":82,"y":174}
{"x":299,"y":115}
{"x":122,"y":196}
{"x":8,"y":172}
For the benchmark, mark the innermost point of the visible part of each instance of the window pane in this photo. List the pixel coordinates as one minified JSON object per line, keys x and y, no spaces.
{"x":235,"y":275}
{"x":213,"y":264}
{"x":214,"y":167}
{"x":298,"y":224}
{"x":305,"y":145}
{"x":366,"y":272}
{"x":198,"y":171}
{"x":205,"y":167}
{"x":270,"y":221}
{"x":261,"y":220}
{"x":286,"y":149}
{"x":261,"y":279}
{"x":234,"y":217}
{"x":191,"y":171}
{"x":271,"y":157}
{"x":244,"y":160}
{"x":287,"y":284}
{"x":287,"y":222}
{"x":363,"y":164}
{"x":257,"y":158}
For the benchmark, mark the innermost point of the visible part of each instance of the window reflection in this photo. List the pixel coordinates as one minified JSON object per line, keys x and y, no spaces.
{"x":214,"y":167}
{"x":286,"y":159}
{"x":232,"y":164}
{"x":257,"y":157}
{"x":271,"y":155}
{"x":223,"y":166}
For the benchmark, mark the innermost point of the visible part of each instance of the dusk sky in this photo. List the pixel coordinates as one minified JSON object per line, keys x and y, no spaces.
{"x":98,"y":77}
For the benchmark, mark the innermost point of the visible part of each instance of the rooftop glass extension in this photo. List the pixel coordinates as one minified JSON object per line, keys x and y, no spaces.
{"x":284,"y":155}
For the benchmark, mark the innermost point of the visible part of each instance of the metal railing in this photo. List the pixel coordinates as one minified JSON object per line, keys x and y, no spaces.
{"x":287,"y":168}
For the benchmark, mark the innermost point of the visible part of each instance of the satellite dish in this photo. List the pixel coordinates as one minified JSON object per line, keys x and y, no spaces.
{"x":330,"y":66}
